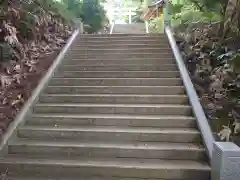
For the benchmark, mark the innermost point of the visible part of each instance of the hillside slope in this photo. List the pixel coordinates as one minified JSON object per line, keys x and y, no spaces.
{"x":31,"y":35}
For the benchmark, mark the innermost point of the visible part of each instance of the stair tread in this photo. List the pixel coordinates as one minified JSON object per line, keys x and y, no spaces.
{"x":124,"y":49}
{"x":109,"y":162}
{"x":104,"y":144}
{"x":141,"y":130}
{"x":141,"y":52}
{"x":115,"y":95}
{"x":103,"y":78}
{"x":78,"y":178}
{"x":111,"y":105}
{"x":110,"y":116}
{"x":74,"y":86}
{"x":134,"y":71}
{"x":119,"y":64}
{"x":126,"y":59}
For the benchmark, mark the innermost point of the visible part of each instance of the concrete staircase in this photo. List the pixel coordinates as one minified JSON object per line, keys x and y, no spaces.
{"x":116,"y":109}
{"x":136,"y":28}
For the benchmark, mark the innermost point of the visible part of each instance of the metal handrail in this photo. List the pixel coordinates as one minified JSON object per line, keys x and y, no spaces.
{"x":193,"y":97}
{"x":202,"y":121}
{"x":223,"y":156}
{"x":157,"y":3}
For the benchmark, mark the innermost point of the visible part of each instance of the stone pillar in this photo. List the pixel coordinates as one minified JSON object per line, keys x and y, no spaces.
{"x":147,"y":26}
{"x":166,"y":17}
{"x":79,"y":25}
{"x":130,"y":16}
{"x":225,"y":161}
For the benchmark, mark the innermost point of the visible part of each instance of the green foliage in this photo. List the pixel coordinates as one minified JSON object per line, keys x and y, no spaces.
{"x":92,"y":14}
{"x":194,"y":11}
{"x":186,"y":12}
{"x":6,"y":52}
{"x":137,"y":18}
{"x":51,"y":6}
{"x":187,"y":15}
{"x":218,"y":6}
{"x":73,"y":7}
{"x":156,"y":25}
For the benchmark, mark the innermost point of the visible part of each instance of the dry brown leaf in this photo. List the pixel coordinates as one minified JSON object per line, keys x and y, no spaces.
{"x":5,"y":101}
{"x":17,"y":78}
{"x":225,"y":133}
{"x":5,"y":80}
{"x":17,"y":68}
{"x":15,"y":102}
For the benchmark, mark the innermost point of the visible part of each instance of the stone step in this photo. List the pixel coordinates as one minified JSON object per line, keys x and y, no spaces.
{"x":119,"y":67}
{"x":118,"y":54}
{"x":162,"y":90}
{"x":117,"y":43}
{"x":116,"y":62}
{"x":110,"y":134}
{"x":156,"y":35}
{"x":82,"y":39}
{"x":117,"y":74}
{"x":121,"y":50}
{"x":123,"y":56}
{"x":128,"y":29}
{"x":130,"y":109}
{"x":130,"y":60}
{"x":132,"y":34}
{"x":128,"y":45}
{"x":115,"y":81}
{"x":115,"y":167}
{"x":122,"y":37}
{"x":116,"y":98}
{"x":112,"y":120}
{"x":53,"y":148}
{"x":35,"y":177}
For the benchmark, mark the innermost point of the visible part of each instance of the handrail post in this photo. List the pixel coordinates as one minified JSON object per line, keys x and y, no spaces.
{"x":147,"y":28}
{"x":79,"y":25}
{"x":166,"y":14}
{"x":225,"y":161}
{"x":129,"y":16}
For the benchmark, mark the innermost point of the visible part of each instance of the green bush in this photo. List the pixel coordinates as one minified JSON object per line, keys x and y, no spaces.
{"x":6,"y":52}
{"x":157,"y":25}
{"x":93,"y":14}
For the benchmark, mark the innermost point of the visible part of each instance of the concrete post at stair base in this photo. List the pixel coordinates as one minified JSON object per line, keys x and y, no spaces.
{"x":166,"y":13}
{"x":79,"y":25}
{"x":225,"y":161}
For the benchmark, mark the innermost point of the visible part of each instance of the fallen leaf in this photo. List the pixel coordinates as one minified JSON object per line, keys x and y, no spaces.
{"x":225,"y":133}
{"x":15,"y":102}
{"x":5,"y":80}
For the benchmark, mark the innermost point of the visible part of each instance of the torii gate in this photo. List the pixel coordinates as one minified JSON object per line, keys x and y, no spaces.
{"x":122,"y":12}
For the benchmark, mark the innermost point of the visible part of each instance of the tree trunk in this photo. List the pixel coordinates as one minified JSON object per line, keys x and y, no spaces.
{"x":231,"y":19}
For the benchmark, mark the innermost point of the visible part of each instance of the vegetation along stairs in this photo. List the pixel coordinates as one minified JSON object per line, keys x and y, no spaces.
{"x":115,"y":108}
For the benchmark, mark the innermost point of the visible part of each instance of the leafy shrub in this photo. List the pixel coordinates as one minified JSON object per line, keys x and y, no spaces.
{"x":157,"y":25}
{"x":6,"y":52}
{"x":92,"y":14}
